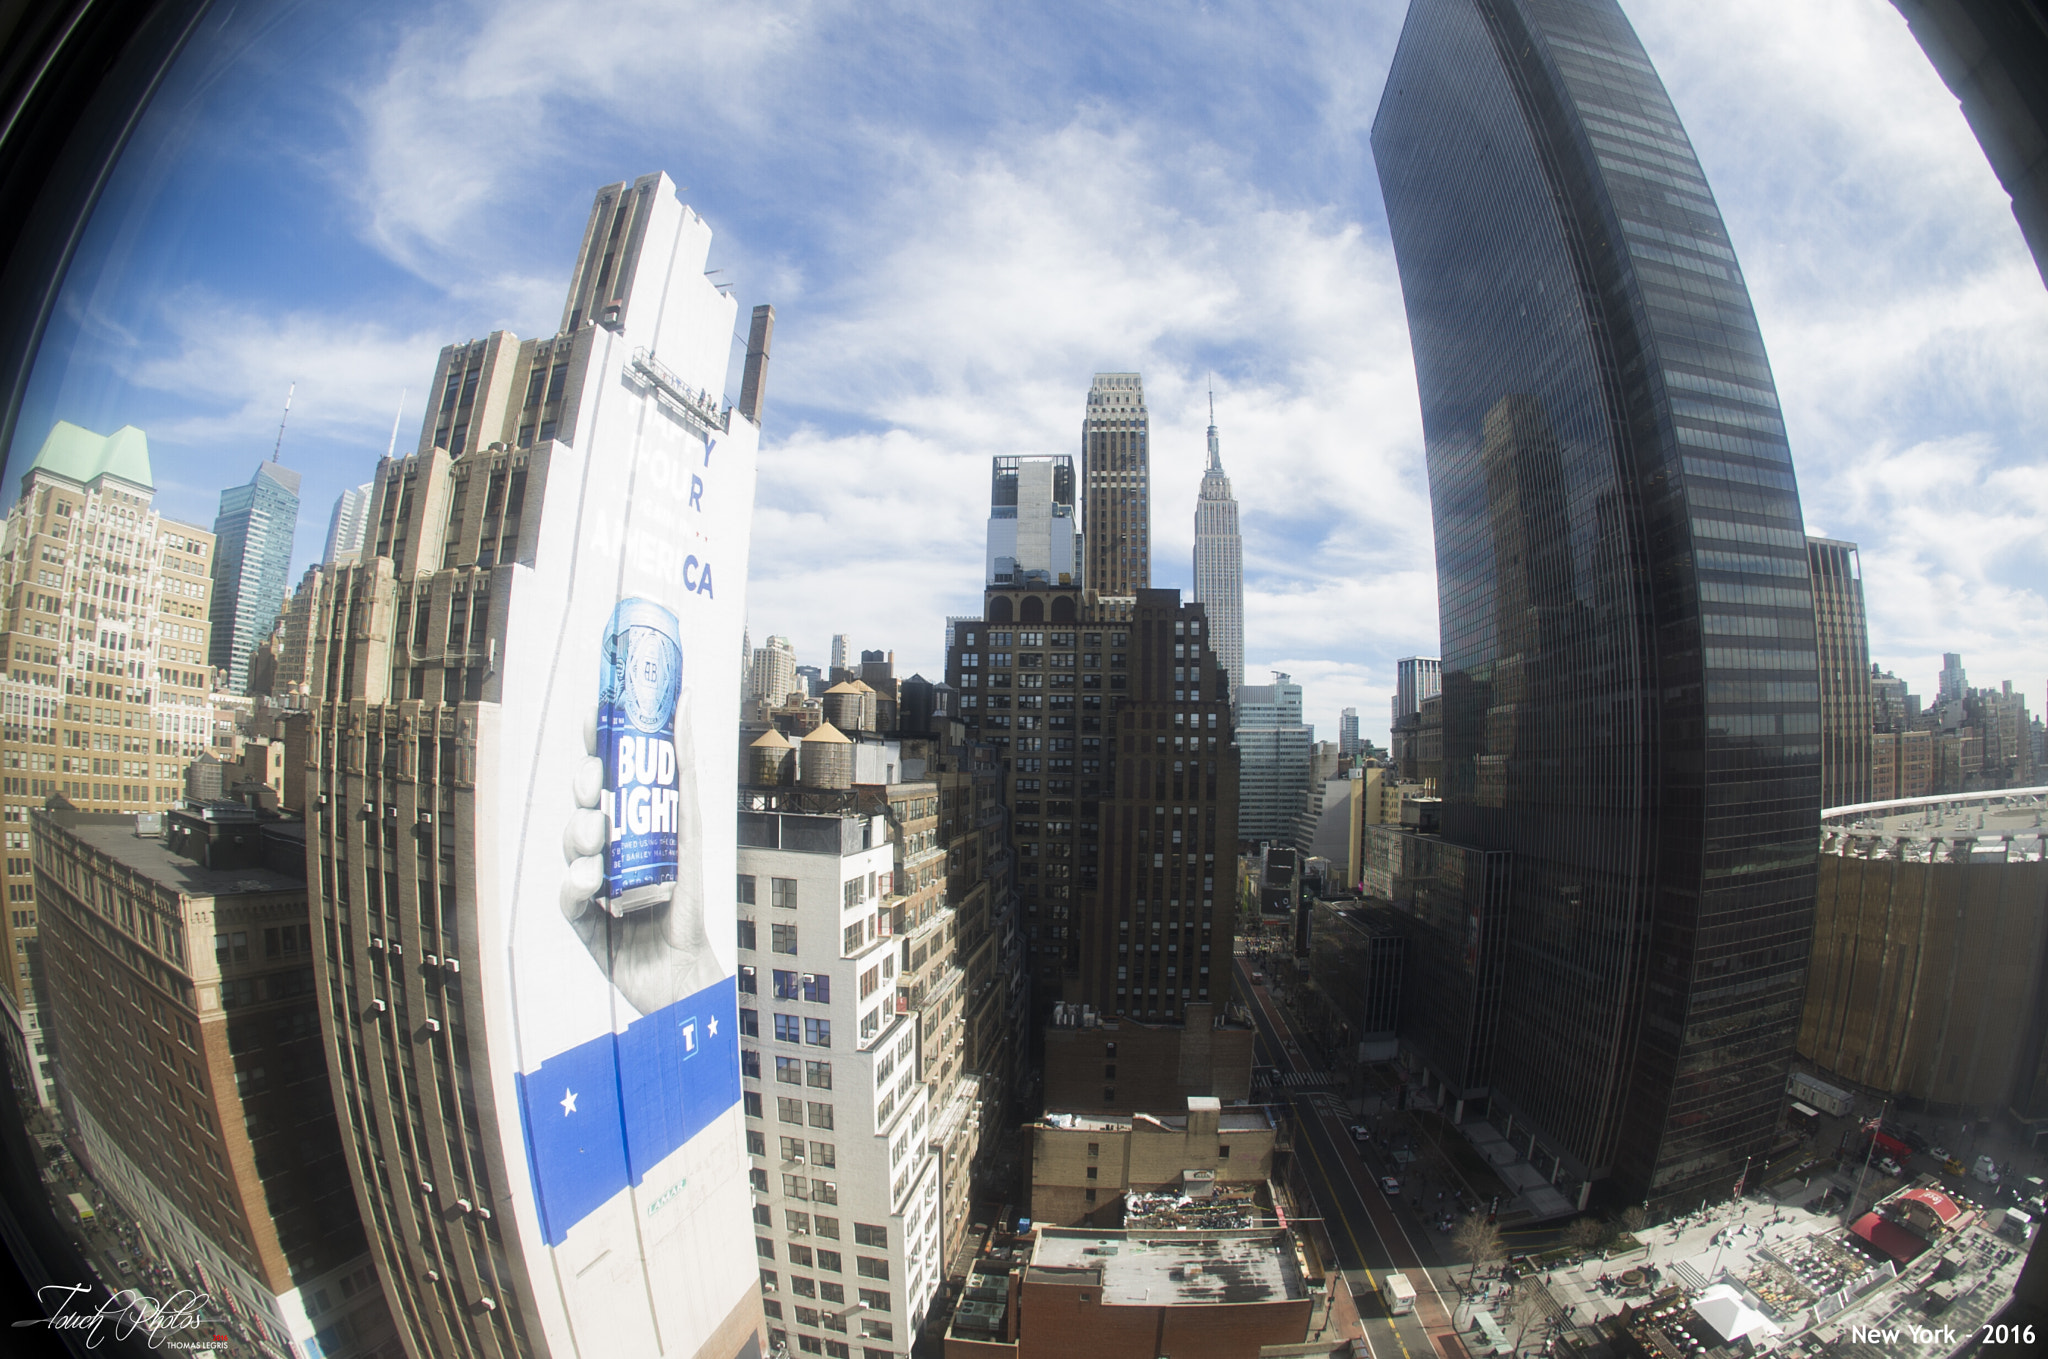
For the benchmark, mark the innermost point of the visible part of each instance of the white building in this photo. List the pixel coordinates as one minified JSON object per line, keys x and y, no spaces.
{"x":346,"y":524}
{"x":838,"y":1123}
{"x":1415,"y":679}
{"x":1033,"y":536}
{"x":772,"y":676}
{"x":1219,"y":562}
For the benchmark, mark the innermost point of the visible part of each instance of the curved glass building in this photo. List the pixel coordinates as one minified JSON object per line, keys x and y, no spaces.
{"x":1630,"y":691}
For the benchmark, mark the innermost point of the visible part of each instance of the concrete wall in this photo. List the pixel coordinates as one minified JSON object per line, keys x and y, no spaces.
{"x":1123,"y":1068}
{"x":1146,"y":1157}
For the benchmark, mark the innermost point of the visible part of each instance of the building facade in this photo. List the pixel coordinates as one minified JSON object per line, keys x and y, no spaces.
{"x":178,"y":956}
{"x":847,"y":1201}
{"x":104,"y":626}
{"x":1630,"y":703}
{"x":773,"y":673}
{"x":253,"y":533}
{"x":1219,"y":562}
{"x":1843,"y":640}
{"x":1349,"y":744}
{"x":1416,"y":679}
{"x":1930,"y":953}
{"x":1116,"y":474}
{"x":531,"y":666}
{"x":1034,"y":535}
{"x":1275,"y":760}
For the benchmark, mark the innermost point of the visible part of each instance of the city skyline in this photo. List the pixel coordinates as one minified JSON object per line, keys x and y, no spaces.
{"x":1907,"y":401}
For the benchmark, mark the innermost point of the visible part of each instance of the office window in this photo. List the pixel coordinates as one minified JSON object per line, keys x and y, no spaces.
{"x":828,"y":1260}
{"x":758,"y":1178}
{"x":747,"y":981}
{"x":824,"y":1191}
{"x":757,"y":1142}
{"x":824,"y":1154}
{"x":875,"y":1298}
{"x":764,"y":1216}
{"x":746,"y":929}
{"x":784,"y":892}
{"x":868,"y":1267}
{"x":827,"y":1227}
{"x":782,"y":938}
{"x":798,"y":1224}
{"x":764,"y":1248}
{"x":800,"y":1255}
{"x":746,"y":889}
{"x":821,"y":1115}
{"x":789,"y":1070}
{"x":817,"y":988}
{"x":785,"y":985}
{"x":817,"y":1074}
{"x":818,"y":1032}
{"x":753,"y":1103}
{"x":792,"y":1149}
{"x":789,"y":1111}
{"x":867,"y":1234}
{"x":786,"y":1029}
{"x":750,"y":1023}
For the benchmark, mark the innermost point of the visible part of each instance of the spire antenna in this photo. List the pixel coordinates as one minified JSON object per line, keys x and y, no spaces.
{"x":278,"y":447}
{"x":392,"y":450}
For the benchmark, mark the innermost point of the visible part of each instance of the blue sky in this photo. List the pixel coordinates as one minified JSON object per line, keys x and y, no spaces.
{"x":962,"y":212}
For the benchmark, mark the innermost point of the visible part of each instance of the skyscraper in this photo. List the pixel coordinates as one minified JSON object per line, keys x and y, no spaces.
{"x":1275,"y":760}
{"x":532,"y":1014}
{"x":105,"y":688}
{"x":1415,"y":678}
{"x":1219,"y":562}
{"x":839,"y":653}
{"x":773,"y":671}
{"x":1116,"y":467}
{"x":254,"y":535}
{"x":1630,"y":705}
{"x":1954,"y":682}
{"x":345,"y":525}
{"x":1347,"y":733}
{"x":1034,"y":537}
{"x":1844,"y":645}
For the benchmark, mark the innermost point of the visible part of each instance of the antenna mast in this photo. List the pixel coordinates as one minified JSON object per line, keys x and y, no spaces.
{"x":278,"y":447}
{"x":398,"y":415}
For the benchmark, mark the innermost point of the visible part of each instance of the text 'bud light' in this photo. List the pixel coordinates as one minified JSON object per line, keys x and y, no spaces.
{"x":636,"y":739}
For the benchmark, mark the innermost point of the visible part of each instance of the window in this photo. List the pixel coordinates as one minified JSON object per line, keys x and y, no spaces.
{"x":786,"y":1030}
{"x":764,"y":1216}
{"x":764,"y":1248}
{"x":789,"y":1111}
{"x":855,"y":936}
{"x":1092,"y":1171}
{"x":803,"y":1287}
{"x":829,"y":1291}
{"x":817,"y":988}
{"x":868,"y":1267}
{"x":824,"y":1155}
{"x":1223,"y":1152}
{"x":746,"y":889}
{"x":828,"y":1260}
{"x":816,"y":1074}
{"x":799,"y":1255}
{"x":873,"y":1329}
{"x":1095,"y":1149}
{"x":785,"y":985}
{"x":818,"y":1032}
{"x":750,"y":1063}
{"x":821,"y":1115}
{"x":747,"y":984}
{"x":792,"y":1149}
{"x":789,"y":1070}
{"x":750,"y":1023}
{"x":784,"y":892}
{"x":747,"y":934}
{"x":767,"y":1281}
{"x":799,"y":1224}
{"x":1089,"y":1195}
{"x":875,"y":1298}
{"x":782,"y":938}
{"x":758,"y":1178}
{"x":827,"y":1227}
{"x":867,"y":1234}
{"x":753,"y":1101}
{"x":824,"y":1191}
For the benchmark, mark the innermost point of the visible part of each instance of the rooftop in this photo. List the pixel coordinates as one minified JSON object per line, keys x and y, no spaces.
{"x":1174,"y":1268}
{"x":1236,"y":1118}
{"x":115,"y":836}
{"x":82,"y":456}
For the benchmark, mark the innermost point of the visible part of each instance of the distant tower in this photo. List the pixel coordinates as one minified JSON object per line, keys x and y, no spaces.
{"x":1116,"y":464}
{"x":1954,"y":682}
{"x":1033,"y":538}
{"x":345,"y":525}
{"x":254,"y":533}
{"x":1844,"y":642}
{"x":839,"y":650}
{"x":1347,"y":732}
{"x":1219,"y":561}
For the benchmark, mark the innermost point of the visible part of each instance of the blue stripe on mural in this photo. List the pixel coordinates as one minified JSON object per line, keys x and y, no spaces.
{"x":602,"y":1114}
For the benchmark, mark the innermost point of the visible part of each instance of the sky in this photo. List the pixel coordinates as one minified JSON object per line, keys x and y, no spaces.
{"x":962,"y":212}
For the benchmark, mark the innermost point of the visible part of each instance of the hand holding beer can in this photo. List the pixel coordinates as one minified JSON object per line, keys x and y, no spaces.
{"x":639,"y":685}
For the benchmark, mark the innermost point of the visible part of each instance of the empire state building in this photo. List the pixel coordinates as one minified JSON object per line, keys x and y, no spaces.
{"x":1219,"y":562}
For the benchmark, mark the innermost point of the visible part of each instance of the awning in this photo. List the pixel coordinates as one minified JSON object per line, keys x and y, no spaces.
{"x":1723,"y":1308}
{"x":1888,"y":1237}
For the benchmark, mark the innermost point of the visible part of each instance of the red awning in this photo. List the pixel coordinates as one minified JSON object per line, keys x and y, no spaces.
{"x":1888,"y":1237}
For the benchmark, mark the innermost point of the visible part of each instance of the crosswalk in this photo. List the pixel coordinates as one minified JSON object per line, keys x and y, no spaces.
{"x":1295,"y":1080}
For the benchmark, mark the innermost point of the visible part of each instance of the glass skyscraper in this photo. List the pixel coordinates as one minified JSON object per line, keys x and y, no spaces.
{"x":1630,"y":692}
{"x":254,"y":536}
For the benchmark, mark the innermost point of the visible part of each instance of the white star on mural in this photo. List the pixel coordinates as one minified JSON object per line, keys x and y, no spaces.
{"x":712,"y":1025}
{"x":568,"y":1102}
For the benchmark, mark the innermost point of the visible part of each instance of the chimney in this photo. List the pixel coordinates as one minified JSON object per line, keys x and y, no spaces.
{"x":754,"y":377}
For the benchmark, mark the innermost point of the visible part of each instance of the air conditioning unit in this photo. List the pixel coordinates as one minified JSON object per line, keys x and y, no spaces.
{"x":488,"y":1304}
{"x":433,"y":1026}
{"x":482,"y":1211}
{"x":391,"y":810}
{"x":377,"y":1005}
{"x":453,"y":964}
{"x":433,"y":1276}
{"x":426,"y":818}
{"x":397,"y":949}
{"x":369,"y":810}
{"x":426,"y":1186}
{"x":464,"y":1205}
{"x":433,"y":960}
{"x":376,"y":943}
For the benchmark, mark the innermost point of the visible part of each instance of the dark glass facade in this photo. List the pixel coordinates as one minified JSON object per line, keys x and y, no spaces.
{"x":1630,"y":693}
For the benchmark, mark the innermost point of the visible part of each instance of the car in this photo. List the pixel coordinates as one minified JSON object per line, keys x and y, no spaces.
{"x":1937,"y":1153}
{"x":1889,"y":1166}
{"x":1359,"y":1132}
{"x":1259,"y":977}
{"x":1389,"y":1185}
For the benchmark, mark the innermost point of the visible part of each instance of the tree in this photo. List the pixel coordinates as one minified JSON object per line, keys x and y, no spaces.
{"x":1585,"y":1233}
{"x":1479,"y":1241}
{"x":1635,"y":1217}
{"x":1532,"y":1304}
